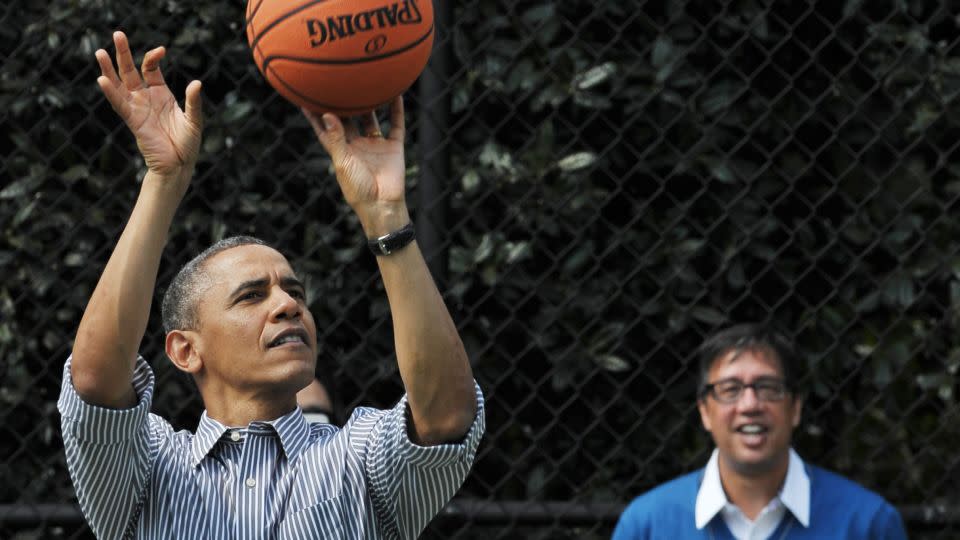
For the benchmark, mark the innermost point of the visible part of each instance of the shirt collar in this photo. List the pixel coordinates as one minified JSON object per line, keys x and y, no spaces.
{"x":208,"y":433}
{"x":710,"y":497}
{"x":292,"y":428}
{"x":795,"y":494}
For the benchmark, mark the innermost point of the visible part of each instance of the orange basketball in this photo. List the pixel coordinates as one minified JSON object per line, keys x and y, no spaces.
{"x":341,"y":56}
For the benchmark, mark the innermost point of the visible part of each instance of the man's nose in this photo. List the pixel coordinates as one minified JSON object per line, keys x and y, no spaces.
{"x":286,"y":306}
{"x":748,"y":399}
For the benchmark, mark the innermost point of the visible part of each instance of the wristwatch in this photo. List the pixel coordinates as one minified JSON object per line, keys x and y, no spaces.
{"x":390,"y":242}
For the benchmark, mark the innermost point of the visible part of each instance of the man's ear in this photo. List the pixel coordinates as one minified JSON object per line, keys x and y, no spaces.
{"x":181,"y":347}
{"x":797,"y":409}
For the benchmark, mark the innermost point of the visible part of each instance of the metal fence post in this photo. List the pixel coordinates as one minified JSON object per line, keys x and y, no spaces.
{"x":434,"y":117}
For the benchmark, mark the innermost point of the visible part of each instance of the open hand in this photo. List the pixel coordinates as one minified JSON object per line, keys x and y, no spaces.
{"x":370,"y":167}
{"x":168,"y":137}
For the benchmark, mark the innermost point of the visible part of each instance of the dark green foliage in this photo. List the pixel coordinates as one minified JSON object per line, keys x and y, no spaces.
{"x":628,"y":177}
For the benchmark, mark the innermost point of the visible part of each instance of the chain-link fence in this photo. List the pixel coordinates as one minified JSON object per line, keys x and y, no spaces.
{"x":598,"y":184}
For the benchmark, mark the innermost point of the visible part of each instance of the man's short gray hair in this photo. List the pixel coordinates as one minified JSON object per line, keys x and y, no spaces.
{"x":179,"y":308}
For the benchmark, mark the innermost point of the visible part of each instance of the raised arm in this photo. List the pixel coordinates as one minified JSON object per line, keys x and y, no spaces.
{"x":114,"y":321}
{"x":433,"y":363}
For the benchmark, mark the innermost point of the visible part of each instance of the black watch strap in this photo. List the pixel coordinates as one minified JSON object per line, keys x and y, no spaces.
{"x":388,"y":243}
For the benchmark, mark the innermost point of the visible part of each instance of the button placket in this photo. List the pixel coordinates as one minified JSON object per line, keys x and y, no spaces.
{"x":251,"y":486}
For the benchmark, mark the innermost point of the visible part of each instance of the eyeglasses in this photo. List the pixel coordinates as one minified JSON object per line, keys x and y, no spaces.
{"x":729,"y":390}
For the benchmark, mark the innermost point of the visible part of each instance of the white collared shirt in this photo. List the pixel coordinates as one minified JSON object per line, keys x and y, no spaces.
{"x":794,"y":496}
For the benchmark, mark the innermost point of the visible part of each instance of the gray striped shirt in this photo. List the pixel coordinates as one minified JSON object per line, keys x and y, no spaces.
{"x":136,"y":477}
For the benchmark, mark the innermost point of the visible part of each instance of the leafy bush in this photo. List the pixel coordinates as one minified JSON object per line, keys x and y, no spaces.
{"x":627,"y":178}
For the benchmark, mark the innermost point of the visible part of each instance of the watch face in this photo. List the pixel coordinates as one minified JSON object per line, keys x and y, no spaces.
{"x":389,"y":243}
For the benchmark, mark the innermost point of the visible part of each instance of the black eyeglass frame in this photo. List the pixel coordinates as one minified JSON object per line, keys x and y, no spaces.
{"x":710,"y":389}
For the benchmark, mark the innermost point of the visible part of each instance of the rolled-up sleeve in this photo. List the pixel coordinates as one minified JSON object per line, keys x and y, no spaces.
{"x":109,"y":453}
{"x":411,"y":483}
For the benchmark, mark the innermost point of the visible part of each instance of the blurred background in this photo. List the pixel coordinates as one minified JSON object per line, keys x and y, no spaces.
{"x":598,"y":185}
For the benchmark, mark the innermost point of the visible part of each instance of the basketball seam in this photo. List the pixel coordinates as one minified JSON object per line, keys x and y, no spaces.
{"x":294,"y":91}
{"x":279,"y":20}
{"x":249,"y":25}
{"x":421,"y":39}
{"x":252,"y":14}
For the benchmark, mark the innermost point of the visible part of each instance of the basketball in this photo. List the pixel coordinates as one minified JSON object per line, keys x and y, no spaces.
{"x":346,"y":57}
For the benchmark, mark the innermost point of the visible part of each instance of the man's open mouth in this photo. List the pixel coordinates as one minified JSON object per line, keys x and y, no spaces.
{"x":752,"y":429}
{"x":295,"y":335}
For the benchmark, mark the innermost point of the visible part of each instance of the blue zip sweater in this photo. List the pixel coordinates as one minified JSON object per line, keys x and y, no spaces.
{"x":839,"y":509}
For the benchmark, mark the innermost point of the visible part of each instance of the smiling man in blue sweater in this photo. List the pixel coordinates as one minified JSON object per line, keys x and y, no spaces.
{"x":755,"y":486}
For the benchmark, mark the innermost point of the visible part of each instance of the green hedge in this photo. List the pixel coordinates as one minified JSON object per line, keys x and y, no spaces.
{"x":628,"y":177}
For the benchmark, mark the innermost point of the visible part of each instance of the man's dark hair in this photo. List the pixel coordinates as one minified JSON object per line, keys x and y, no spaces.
{"x":179,"y":308}
{"x":749,"y":337}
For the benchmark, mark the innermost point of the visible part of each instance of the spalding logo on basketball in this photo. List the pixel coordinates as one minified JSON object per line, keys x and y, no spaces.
{"x":341,"y":56}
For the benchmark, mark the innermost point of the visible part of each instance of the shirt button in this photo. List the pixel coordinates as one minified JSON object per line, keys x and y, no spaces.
{"x":251,"y":482}
{"x":235,"y":436}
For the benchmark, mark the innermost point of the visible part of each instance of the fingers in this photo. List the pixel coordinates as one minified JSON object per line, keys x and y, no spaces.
{"x":106,"y":66}
{"x":151,"y":67}
{"x":113,"y":93}
{"x":128,"y":71}
{"x":330,"y":132}
{"x":129,"y":77}
{"x":109,"y":83}
{"x":336,"y":133}
{"x":193,"y":105}
{"x":371,"y":125}
{"x":352,"y":130}
{"x":314,"y":121}
{"x":397,"y":129}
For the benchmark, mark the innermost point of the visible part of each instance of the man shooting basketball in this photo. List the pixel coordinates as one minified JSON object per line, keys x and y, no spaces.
{"x":237,"y":320}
